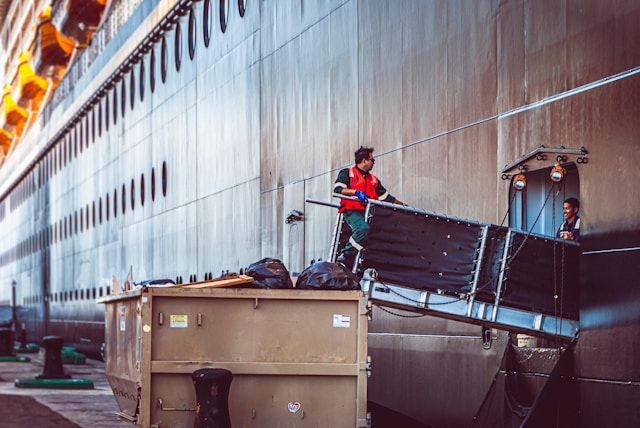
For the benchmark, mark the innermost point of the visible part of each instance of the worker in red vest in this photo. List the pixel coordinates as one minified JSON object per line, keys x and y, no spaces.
{"x":358,"y":181}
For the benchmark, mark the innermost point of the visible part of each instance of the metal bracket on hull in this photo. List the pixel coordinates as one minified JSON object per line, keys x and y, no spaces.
{"x":541,"y":154}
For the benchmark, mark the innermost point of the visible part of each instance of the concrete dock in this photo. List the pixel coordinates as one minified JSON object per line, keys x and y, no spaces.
{"x":23,"y":407}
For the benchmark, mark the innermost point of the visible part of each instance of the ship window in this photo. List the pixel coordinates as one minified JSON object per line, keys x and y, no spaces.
{"x":93,"y":293}
{"x":177,"y":46}
{"x":93,"y":125}
{"x":93,"y":214}
{"x":115,"y":203}
{"x":65,"y":227}
{"x":85,"y":134}
{"x":164,"y":179}
{"x":132,"y":88}
{"x":153,"y":184}
{"x":133,"y":194}
{"x":74,"y":137}
{"x":82,"y":294}
{"x":100,"y":118}
{"x":163,"y":60}
{"x":75,"y":217}
{"x":142,"y":77}
{"x":123,"y":197}
{"x":123,"y":99}
{"x":152,"y":70}
{"x":76,"y":295}
{"x":106,"y":207}
{"x":100,"y":291}
{"x":63,"y":162}
{"x":142,"y":189}
{"x":81,"y":222}
{"x":100,"y":210}
{"x":538,"y":208}
{"x":242,"y":7}
{"x":224,"y":14}
{"x":192,"y":34}
{"x":207,"y":17}
{"x":78,"y":136}
{"x":106,"y":112}
{"x":86,"y":216}
{"x":115,"y":105}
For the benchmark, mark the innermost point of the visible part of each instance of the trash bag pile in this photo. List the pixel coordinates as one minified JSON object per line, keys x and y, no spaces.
{"x":327,"y":276}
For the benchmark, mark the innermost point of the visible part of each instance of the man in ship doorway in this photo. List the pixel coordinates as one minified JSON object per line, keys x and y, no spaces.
{"x":359,"y":182}
{"x":570,"y":229}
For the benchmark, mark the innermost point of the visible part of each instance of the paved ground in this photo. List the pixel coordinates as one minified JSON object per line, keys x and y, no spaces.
{"x":43,"y":408}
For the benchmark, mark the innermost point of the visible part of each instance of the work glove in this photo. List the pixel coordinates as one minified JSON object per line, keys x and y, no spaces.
{"x":363,"y":198}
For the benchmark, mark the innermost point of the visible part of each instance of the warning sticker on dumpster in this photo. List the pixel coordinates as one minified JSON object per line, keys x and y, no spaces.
{"x":123,"y":319}
{"x":341,"y":320}
{"x":179,"y":321}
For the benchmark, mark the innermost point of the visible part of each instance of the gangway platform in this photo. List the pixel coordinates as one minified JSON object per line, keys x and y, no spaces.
{"x":468,"y":271}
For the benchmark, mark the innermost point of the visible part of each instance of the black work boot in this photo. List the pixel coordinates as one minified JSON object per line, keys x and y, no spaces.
{"x":346,"y":259}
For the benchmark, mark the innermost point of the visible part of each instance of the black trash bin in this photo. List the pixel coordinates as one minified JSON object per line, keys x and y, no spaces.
{"x":212,"y":398}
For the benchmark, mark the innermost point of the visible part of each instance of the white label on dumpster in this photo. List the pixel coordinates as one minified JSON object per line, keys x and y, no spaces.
{"x":123,"y":319}
{"x":341,"y":320}
{"x":179,"y":321}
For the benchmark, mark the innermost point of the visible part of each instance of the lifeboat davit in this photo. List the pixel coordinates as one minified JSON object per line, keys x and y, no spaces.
{"x":51,"y":50}
{"x":15,"y":117}
{"x":78,"y":19}
{"x":32,"y":88}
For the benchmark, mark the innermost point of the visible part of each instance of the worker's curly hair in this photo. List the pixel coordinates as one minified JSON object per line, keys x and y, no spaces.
{"x":363,"y":153}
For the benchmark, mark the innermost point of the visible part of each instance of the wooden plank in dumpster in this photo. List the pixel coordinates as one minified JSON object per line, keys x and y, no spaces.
{"x":298,"y":357}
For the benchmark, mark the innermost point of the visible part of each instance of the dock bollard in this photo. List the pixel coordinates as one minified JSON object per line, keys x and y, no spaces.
{"x":53,"y":359}
{"x":212,"y":398}
{"x":6,"y":345}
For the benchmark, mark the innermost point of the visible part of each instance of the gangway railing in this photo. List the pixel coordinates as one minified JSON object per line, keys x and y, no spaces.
{"x":466,"y":270}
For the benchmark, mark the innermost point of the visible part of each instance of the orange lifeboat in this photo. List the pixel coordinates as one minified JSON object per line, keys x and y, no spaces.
{"x":5,"y":141}
{"x":78,"y":19}
{"x":15,"y":117}
{"x":32,"y":87}
{"x":51,"y":50}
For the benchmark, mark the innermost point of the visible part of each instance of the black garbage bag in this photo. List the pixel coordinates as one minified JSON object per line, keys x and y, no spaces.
{"x":327,"y":276}
{"x":268,"y":273}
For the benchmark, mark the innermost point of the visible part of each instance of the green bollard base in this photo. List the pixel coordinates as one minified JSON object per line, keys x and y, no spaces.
{"x":54,"y":383}
{"x":14,"y":358}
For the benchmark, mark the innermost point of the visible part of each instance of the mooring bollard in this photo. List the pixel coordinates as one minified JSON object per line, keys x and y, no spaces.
{"x":53,"y":359}
{"x":212,"y":398}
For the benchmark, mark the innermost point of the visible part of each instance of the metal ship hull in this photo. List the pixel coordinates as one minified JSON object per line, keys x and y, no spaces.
{"x":182,"y":139}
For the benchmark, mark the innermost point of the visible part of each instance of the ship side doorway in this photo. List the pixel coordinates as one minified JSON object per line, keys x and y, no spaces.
{"x":538,"y":207}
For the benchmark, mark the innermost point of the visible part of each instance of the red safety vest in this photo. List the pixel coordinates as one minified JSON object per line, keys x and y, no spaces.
{"x":358,"y":182}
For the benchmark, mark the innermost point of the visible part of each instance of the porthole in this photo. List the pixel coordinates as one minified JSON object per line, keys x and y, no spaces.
{"x":106,"y":207}
{"x":153,"y":184}
{"x":141,"y":78}
{"x":115,"y":203}
{"x":177,"y":46}
{"x":152,"y":70}
{"x":163,"y":60}
{"x":192,"y":34}
{"x":142,"y":189}
{"x":207,"y":18}
{"x":242,"y":7}
{"x":115,"y":105}
{"x":123,"y":197}
{"x":133,"y":194}
{"x":100,"y":210}
{"x":132,"y":89}
{"x":224,"y":14}
{"x":164,"y":179}
{"x":123,"y":97}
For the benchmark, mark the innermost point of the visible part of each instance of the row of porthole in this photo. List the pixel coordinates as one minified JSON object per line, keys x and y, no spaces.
{"x":68,"y":226}
{"x":65,"y":296}
{"x":84,"y":130}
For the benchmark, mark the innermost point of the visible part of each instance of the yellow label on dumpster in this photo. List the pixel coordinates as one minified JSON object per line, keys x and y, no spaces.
{"x":179,"y":321}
